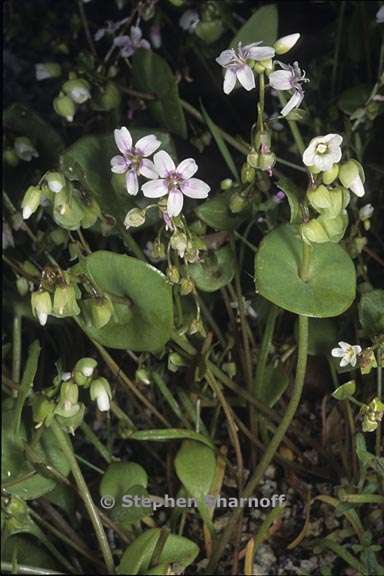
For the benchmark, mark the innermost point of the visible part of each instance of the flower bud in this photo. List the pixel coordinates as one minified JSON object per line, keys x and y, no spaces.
{"x":100,"y":310}
{"x":134,"y":218}
{"x":334,"y":227}
{"x":175,"y":361}
{"x":67,"y":422}
{"x":351,"y":175}
{"x":24,"y":149}
{"x":46,"y":70}
{"x":226,"y":184}
{"x":253,"y":159}
{"x":31,"y":201}
{"x":64,"y":301}
{"x":77,"y":90}
{"x":69,"y":392}
{"x":10,"y":157}
{"x":285,"y":44}
{"x":373,"y":414}
{"x":237,"y":203}
{"x":267,"y":161}
{"x":313,"y":231}
{"x":330,"y":175}
{"x":22,"y":286}
{"x":42,"y":410}
{"x":366,"y":212}
{"x":100,"y":391}
{"x":41,"y":304}
{"x":247,"y":173}
{"x":59,"y":236}
{"x":186,"y":286}
{"x":108,"y":99}
{"x":179,"y":242}
{"x":64,"y":106}
{"x":91,"y":212}
{"x":367,"y":361}
{"x":262,"y":141}
{"x":142,"y":376}
{"x":173,"y":274}
{"x":55,"y":181}
{"x":84,"y":368}
{"x":197,"y":327}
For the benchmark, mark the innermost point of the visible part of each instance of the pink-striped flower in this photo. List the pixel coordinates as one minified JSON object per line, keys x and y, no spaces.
{"x":177,"y":182}
{"x":134,"y":159}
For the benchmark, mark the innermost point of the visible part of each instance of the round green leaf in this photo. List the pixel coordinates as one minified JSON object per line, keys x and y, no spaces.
{"x":330,"y":289}
{"x":216,"y":271}
{"x":143,"y":318}
{"x":371,"y":312}
{"x":260,"y":27}
{"x":216,"y":213}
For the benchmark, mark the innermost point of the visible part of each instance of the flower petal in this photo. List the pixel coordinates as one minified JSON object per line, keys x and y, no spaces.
{"x":163,"y":163}
{"x":136,"y":34}
{"x":294,"y":102}
{"x":195,"y":188}
{"x":357,"y":187}
{"x":337,"y":352}
{"x":357,"y":349}
{"x":155,"y":188}
{"x":119,"y":164}
{"x":229,"y":81}
{"x":148,"y":145}
{"x":280,"y":80}
{"x":225,"y":57}
{"x":246,"y":77}
{"x":344,"y":362}
{"x":175,"y":203}
{"x":259,"y":53}
{"x":123,"y":140}
{"x":132,"y":183}
{"x":147,"y":169}
{"x":187,"y":168}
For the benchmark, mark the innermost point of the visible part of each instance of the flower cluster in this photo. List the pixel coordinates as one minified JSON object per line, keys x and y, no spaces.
{"x":74,"y":92}
{"x":165,"y":178}
{"x":329,"y":194}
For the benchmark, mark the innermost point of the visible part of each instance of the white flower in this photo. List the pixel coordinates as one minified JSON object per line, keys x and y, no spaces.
{"x":189,"y":20}
{"x":323,"y":152}
{"x":289,"y":78}
{"x":43,"y":71}
{"x":134,"y":159}
{"x":176,"y":182}
{"x":347,"y":353}
{"x":155,"y":35}
{"x":380,"y":15}
{"x":129,"y":44}
{"x":366,"y":212}
{"x":100,"y":391}
{"x":236,"y":64}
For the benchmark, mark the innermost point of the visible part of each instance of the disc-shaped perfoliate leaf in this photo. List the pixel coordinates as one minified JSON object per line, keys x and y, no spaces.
{"x":18,"y":475}
{"x":88,"y":161}
{"x":260,"y":27}
{"x":143,"y":316}
{"x":216,"y":213}
{"x":176,"y":550}
{"x":330,"y":289}
{"x":214,"y":271}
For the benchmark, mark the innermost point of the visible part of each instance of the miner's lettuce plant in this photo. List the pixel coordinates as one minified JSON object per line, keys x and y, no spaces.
{"x":124,"y":252}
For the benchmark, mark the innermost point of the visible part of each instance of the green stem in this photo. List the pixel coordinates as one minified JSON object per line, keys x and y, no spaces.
{"x":306,"y":262}
{"x":262,"y":360}
{"x":337,"y":46}
{"x":67,"y":449}
{"x":379,"y":395}
{"x":273,"y":445}
{"x":24,"y":569}
{"x":260,"y":106}
{"x":293,"y":127}
{"x":16,"y":348}
{"x":93,"y":439}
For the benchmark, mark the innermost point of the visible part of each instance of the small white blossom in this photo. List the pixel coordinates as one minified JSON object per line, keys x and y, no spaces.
{"x":134,"y":159}
{"x":366,"y":212}
{"x":347,"y":353}
{"x":323,"y":152}
{"x":289,"y":78}
{"x":24,"y":149}
{"x":236,"y":64}
{"x":189,"y":20}
{"x":286,"y":43}
{"x":176,"y":182}
{"x":44,"y":71}
{"x":380,"y":15}
{"x":129,"y":44}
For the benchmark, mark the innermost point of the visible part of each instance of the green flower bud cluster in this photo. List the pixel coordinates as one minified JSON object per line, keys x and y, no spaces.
{"x":62,"y":305}
{"x":261,"y":157}
{"x":74,"y":92}
{"x":97,"y":311}
{"x":330,"y":204}
{"x":372,"y":415}
{"x":23,"y":149}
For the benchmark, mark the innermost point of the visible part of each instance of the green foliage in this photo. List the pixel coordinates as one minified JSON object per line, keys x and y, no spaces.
{"x":261,"y":27}
{"x":216,"y":270}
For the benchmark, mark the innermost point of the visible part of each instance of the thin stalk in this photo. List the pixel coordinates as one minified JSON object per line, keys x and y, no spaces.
{"x":306,"y":262}
{"x":16,"y":348}
{"x":86,"y":28}
{"x":337,"y":47}
{"x":67,"y":449}
{"x":24,"y":569}
{"x":379,"y":395}
{"x":93,"y":439}
{"x":262,"y":361}
{"x":273,"y":445}
{"x":260,"y":106}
